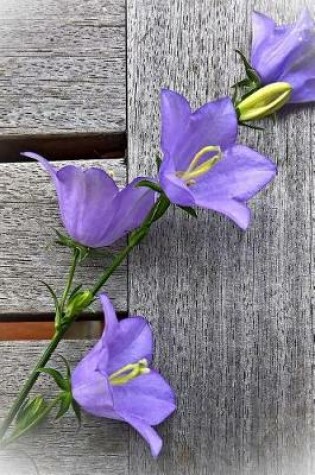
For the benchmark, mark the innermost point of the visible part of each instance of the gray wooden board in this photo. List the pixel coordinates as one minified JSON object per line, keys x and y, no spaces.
{"x":28,"y":215}
{"x":231,"y":309}
{"x":62,"y":66}
{"x":57,"y":447}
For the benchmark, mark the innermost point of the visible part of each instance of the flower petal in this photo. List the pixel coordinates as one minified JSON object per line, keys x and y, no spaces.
{"x":148,"y":397}
{"x":286,"y":53}
{"x":147,"y":432}
{"x":175,"y":188}
{"x":184,"y":134}
{"x":90,"y":388}
{"x":236,"y":178}
{"x":127,"y":341}
{"x":129,"y":209}
{"x":44,"y":163}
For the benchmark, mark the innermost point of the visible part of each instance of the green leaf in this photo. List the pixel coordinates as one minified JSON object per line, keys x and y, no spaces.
{"x":57,"y":376}
{"x":149,"y":184}
{"x":188,"y":210}
{"x":65,"y":400}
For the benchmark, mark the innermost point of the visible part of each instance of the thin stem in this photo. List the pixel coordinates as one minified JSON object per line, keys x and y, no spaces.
{"x":74,"y":262}
{"x":31,"y":380}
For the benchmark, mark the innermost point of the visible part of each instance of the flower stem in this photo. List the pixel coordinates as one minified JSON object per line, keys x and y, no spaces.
{"x":31,"y":380}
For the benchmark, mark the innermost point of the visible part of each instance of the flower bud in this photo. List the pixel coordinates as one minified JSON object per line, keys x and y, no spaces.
{"x":264,"y":102}
{"x":78,"y":303}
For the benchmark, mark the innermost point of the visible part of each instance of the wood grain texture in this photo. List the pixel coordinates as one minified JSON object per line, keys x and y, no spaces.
{"x":28,"y":215}
{"x":57,"y":447}
{"x":62,"y":66}
{"x":231,"y":310}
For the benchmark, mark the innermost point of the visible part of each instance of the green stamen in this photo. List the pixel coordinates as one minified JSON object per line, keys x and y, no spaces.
{"x":129,"y":372}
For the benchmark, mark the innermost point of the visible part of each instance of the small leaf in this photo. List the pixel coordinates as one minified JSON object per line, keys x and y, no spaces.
{"x":250,"y":71}
{"x":65,"y":402}
{"x":149,"y":184}
{"x":57,"y":376}
{"x":189,"y":210}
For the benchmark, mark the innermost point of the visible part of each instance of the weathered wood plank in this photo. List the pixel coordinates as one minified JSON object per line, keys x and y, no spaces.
{"x":62,"y":66}
{"x":28,"y":215}
{"x":232,"y":310}
{"x":58,"y":447}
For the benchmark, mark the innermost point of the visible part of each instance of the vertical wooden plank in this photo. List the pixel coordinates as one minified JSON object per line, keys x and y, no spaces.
{"x":231,"y":310}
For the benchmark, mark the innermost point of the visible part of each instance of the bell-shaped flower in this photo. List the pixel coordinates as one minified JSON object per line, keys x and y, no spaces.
{"x":94,"y":211}
{"x":202,"y":165}
{"x":115,"y":380}
{"x":286,"y":53}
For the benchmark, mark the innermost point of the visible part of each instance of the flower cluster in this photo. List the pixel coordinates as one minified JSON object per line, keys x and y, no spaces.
{"x":203,"y":166}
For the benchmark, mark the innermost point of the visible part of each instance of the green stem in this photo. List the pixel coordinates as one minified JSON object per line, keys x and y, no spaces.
{"x":31,"y":380}
{"x":74,"y":263}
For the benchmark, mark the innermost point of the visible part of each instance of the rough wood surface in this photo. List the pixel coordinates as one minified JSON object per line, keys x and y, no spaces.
{"x":28,"y":215}
{"x":231,"y":310}
{"x":100,"y":446}
{"x":62,"y":66}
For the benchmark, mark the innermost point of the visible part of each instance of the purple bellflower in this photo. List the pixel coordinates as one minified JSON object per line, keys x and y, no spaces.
{"x":93,"y":210}
{"x":114,"y":380}
{"x":286,"y":54}
{"x":203,"y":166}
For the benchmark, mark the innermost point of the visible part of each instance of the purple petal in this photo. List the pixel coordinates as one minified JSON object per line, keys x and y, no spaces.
{"x":184,"y":134}
{"x":176,"y":190}
{"x":147,"y":432}
{"x":240,"y":175}
{"x":129,"y":209}
{"x":148,"y":397}
{"x":286,"y":53}
{"x":127,"y":341}
{"x":44,"y":163}
{"x":90,"y":388}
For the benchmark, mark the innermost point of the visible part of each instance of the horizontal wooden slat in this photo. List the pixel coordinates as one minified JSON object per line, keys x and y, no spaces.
{"x":28,"y":215}
{"x":24,"y":330}
{"x":58,"y":447}
{"x":62,"y":66}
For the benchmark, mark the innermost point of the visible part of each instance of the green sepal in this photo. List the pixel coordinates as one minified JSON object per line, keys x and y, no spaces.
{"x":66,"y":241}
{"x":77,"y":411}
{"x":251,"y":73}
{"x":52,"y":293}
{"x":250,"y":126}
{"x":59,"y":379}
{"x":189,"y":210}
{"x":149,"y":184}
{"x":75,"y":291}
{"x":158,"y":161}
{"x":65,"y":400}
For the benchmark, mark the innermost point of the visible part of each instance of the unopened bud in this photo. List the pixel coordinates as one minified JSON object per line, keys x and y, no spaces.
{"x":264,"y":102}
{"x":78,"y":303}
